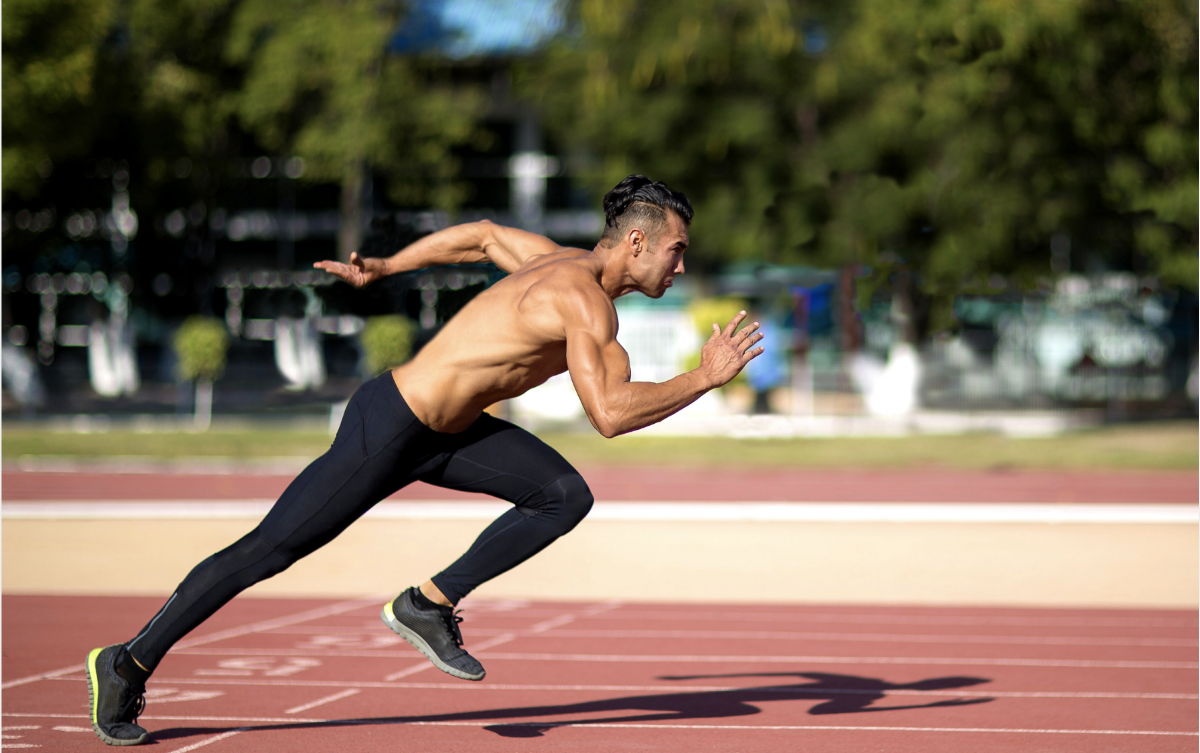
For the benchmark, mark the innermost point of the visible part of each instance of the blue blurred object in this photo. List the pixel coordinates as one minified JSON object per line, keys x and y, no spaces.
{"x":463,"y":28}
{"x":815,"y":318}
{"x":770,"y":369}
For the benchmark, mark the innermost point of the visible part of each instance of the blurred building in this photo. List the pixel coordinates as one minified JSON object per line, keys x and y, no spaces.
{"x":93,"y":293}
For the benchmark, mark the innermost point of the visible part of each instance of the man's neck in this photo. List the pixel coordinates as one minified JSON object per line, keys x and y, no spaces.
{"x":612,"y":270}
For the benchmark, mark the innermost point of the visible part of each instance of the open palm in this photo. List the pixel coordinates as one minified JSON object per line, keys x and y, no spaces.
{"x":728,"y":350}
{"x":358,"y":272}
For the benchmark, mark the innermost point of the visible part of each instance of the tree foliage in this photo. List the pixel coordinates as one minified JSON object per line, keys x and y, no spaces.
{"x":708,"y":96}
{"x":320,"y":83}
{"x":154,"y":82}
{"x":955,"y":140}
{"x":52,"y":50}
{"x":963,"y":138}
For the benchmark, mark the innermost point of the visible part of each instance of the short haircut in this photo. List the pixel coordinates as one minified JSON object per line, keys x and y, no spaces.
{"x":639,"y":202}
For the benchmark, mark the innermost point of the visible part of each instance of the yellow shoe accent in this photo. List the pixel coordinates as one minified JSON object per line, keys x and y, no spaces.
{"x":95,"y":688}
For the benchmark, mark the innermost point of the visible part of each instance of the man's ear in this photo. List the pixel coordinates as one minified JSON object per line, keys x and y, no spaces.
{"x":637,"y":240}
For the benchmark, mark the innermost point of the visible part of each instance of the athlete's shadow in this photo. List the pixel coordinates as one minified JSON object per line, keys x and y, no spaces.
{"x":838,"y":694}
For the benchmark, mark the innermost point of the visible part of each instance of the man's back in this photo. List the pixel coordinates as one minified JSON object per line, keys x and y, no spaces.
{"x":507,"y":340}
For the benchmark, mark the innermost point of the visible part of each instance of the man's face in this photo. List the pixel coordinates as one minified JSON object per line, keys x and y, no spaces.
{"x":661,"y":258}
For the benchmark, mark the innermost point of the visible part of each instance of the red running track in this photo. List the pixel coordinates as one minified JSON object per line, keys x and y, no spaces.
{"x":292,"y":674}
{"x":666,"y":485}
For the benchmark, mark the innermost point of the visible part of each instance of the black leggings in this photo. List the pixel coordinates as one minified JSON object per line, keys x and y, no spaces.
{"x":382,"y":447}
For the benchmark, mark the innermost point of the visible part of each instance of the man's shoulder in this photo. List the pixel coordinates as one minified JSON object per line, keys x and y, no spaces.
{"x":576,"y":293}
{"x":557,"y":254}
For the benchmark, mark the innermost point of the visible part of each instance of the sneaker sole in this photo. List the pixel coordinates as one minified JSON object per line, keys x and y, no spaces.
{"x":93,"y":681}
{"x":417,"y":642}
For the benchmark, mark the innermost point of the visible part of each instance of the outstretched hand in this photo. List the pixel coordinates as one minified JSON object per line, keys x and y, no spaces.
{"x":728,"y":351}
{"x":358,"y":272}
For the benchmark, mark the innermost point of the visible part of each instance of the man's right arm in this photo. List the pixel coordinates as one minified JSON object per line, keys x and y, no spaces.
{"x":507,"y":248}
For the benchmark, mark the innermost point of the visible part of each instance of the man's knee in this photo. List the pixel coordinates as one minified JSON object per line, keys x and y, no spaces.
{"x":252,"y":559}
{"x":571,"y":500}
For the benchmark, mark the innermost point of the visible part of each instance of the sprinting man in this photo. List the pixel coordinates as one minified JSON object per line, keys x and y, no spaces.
{"x":424,"y":421}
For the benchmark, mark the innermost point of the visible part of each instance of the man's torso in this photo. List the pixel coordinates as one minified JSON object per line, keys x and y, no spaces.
{"x":507,"y":340}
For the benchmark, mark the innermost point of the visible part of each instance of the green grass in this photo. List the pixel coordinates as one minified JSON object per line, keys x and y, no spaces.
{"x":1151,"y":447}
{"x":249,"y":445}
{"x":1163,"y":446}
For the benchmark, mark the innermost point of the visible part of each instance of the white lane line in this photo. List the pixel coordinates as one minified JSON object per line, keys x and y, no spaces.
{"x":813,"y":512}
{"x":852,"y":660}
{"x":257,"y":627}
{"x":624,"y":725}
{"x":498,"y":640}
{"x":918,"y":660}
{"x":323,"y":701}
{"x":551,"y":624}
{"x":424,"y":665}
{"x":682,"y":689}
{"x":1035,"y":640}
{"x":602,"y":607}
{"x":1043,"y":640}
{"x":410,"y":671}
{"x":505,"y":637}
{"x":739,"y":613}
{"x":43,"y":676}
{"x":210,"y":741}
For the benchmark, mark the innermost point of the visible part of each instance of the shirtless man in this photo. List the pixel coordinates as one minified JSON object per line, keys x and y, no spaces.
{"x":425,"y":421}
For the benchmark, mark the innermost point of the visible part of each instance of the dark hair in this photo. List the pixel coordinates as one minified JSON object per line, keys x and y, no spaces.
{"x":638,"y":200}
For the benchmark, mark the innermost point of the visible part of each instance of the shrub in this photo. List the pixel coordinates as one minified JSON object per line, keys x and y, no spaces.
{"x":387,"y":342}
{"x":707,"y":311}
{"x":201,"y":344}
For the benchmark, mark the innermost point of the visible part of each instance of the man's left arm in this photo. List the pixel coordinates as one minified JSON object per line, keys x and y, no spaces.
{"x":599,"y":369}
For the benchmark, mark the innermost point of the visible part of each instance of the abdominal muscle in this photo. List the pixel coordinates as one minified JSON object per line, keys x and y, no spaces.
{"x":448,"y":397}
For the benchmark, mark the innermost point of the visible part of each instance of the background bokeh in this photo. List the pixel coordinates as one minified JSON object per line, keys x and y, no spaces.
{"x":946,"y":205}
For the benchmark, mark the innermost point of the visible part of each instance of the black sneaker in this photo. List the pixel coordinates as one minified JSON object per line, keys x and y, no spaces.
{"x":434,"y":632}
{"x":114,"y":701}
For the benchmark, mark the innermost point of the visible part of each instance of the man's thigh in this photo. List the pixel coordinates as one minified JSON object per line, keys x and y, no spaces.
{"x":501,"y":459}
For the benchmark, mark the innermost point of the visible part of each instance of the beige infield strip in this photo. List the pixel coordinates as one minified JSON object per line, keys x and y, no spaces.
{"x":1070,"y":555}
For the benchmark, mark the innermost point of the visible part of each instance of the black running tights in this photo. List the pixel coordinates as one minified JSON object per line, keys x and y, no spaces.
{"x":380,"y":448}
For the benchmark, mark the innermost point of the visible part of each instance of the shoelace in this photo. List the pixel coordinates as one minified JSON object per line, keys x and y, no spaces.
{"x":452,"y":619}
{"x":135,"y":704}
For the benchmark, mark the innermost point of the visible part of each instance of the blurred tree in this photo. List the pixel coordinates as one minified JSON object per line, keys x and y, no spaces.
{"x":709,"y":96}
{"x":52,"y":50}
{"x":105,"y":98}
{"x":948,"y":145}
{"x":321,"y":84}
{"x":977,"y":144}
{"x":200,"y":345}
